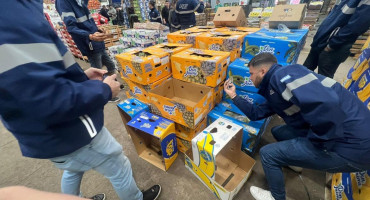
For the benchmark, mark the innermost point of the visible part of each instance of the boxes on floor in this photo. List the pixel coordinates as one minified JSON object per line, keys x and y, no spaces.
{"x":285,"y":46}
{"x":221,"y":41}
{"x":130,"y":108}
{"x":183,"y":102}
{"x":145,"y":66}
{"x":185,"y":134}
{"x":200,"y":66}
{"x":217,"y":93}
{"x":217,"y":161}
{"x":361,"y":88}
{"x":171,"y":48}
{"x":183,"y":37}
{"x":246,"y":30}
{"x":197,"y":29}
{"x":139,"y":91}
{"x":154,"y":139}
{"x":290,"y":15}
{"x":238,"y":73}
{"x":230,"y":16}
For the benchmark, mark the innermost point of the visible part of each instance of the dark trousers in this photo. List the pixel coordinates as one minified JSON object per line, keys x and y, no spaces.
{"x":328,"y":62}
{"x":97,"y":60}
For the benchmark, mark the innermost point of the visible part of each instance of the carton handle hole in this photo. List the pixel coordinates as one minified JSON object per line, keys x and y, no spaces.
{"x":133,"y":103}
{"x":152,"y":120}
{"x":228,"y":126}
{"x":212,"y":142}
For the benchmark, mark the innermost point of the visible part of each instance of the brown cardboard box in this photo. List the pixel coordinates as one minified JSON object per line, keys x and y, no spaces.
{"x":230,"y":16}
{"x":290,"y":15}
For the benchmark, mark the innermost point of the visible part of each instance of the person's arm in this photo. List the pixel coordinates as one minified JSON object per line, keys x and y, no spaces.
{"x":163,"y":12}
{"x":21,"y":192}
{"x":200,"y":9}
{"x":357,"y":25}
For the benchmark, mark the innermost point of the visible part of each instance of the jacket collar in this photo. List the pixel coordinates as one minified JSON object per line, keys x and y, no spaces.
{"x":263,"y":87}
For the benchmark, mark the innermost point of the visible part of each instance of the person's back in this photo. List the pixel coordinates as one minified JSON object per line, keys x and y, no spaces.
{"x":185,"y":10}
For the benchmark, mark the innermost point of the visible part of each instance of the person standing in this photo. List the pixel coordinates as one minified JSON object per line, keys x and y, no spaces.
{"x":154,"y":15}
{"x":87,"y":36}
{"x":218,"y":4}
{"x":337,"y":33}
{"x":165,"y":13}
{"x":104,"y":12}
{"x":112,"y":14}
{"x":185,"y":10}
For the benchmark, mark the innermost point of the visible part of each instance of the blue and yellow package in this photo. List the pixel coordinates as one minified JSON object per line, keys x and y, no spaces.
{"x":154,"y":139}
{"x":361,"y":88}
{"x":238,"y":73}
{"x":251,"y":97}
{"x":351,"y":186}
{"x":129,"y":108}
{"x":285,"y":46}
{"x":362,"y":64}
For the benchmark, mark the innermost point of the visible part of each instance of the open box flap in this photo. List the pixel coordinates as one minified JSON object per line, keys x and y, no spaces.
{"x":150,"y":123}
{"x":132,"y":106}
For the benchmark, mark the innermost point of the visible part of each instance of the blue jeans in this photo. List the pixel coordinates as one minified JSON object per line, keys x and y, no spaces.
{"x":104,"y":154}
{"x":296,"y":150}
{"x":97,"y":60}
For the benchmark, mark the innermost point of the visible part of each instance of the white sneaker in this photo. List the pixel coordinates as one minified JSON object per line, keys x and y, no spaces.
{"x":261,"y":194}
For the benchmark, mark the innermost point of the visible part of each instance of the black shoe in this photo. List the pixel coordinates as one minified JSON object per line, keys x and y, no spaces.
{"x":152,"y":193}
{"x":114,"y":99}
{"x":98,"y":197}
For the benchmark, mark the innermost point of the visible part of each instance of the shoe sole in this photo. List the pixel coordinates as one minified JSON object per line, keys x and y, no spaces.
{"x":159,"y":192}
{"x":114,"y":101}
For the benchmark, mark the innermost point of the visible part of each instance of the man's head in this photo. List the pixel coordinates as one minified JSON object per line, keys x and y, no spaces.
{"x":104,"y":7}
{"x":259,"y":66}
{"x":110,"y":7}
{"x":167,"y":3}
{"x":151,"y":4}
{"x":218,"y":2}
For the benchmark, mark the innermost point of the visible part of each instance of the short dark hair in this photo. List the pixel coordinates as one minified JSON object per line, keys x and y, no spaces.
{"x":262,"y":58}
{"x":152,"y":3}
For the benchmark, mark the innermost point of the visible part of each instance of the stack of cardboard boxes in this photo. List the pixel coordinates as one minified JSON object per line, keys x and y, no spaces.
{"x":313,"y":13}
{"x":200,"y":19}
{"x":93,"y":4}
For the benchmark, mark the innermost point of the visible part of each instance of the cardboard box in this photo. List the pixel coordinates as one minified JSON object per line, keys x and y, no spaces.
{"x":171,"y":48}
{"x":183,"y":145}
{"x":233,"y":166}
{"x":246,"y":30}
{"x":230,"y":16}
{"x":222,"y":41}
{"x":129,"y":108}
{"x":200,"y":66}
{"x":238,"y":72}
{"x":218,"y":93}
{"x":289,"y":15}
{"x":183,"y":102}
{"x":139,"y":91}
{"x":187,"y":133}
{"x":285,"y":46}
{"x":145,"y":66}
{"x":183,"y":37}
{"x":197,"y":29}
{"x":251,"y":97}
{"x":154,"y":139}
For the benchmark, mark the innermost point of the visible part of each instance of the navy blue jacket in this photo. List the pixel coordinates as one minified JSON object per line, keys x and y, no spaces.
{"x":348,"y":20}
{"x":185,"y":11}
{"x":46,"y":100}
{"x":335,"y":119}
{"x":154,"y":16}
{"x":80,"y":25}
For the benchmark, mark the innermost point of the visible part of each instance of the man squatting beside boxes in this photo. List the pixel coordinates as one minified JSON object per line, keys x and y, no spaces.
{"x":59,"y":113}
{"x":327,"y":127}
{"x":87,"y":36}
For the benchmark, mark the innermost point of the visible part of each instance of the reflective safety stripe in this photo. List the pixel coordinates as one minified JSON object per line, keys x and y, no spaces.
{"x":82,"y":19}
{"x":68,"y":14}
{"x":347,"y":10}
{"x":328,"y":82}
{"x":188,"y":11}
{"x":68,"y":59}
{"x":13,"y":55}
{"x":292,"y":110}
{"x":364,"y":2}
{"x":287,"y":94}
{"x":89,"y":125}
{"x":155,"y":18}
{"x":178,"y":26}
{"x":90,"y":16}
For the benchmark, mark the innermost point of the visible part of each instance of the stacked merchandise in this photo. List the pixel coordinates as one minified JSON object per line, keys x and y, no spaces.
{"x":99,"y":19}
{"x":254,"y":17}
{"x":209,"y":14}
{"x":141,"y":8}
{"x":286,"y":46}
{"x":144,"y":37}
{"x":93,"y":5}
{"x":116,"y":33}
{"x":359,"y":44}
{"x":313,"y":13}
{"x":201,"y":19}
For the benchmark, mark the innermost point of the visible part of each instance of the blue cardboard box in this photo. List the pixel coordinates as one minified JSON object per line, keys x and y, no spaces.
{"x":238,"y":72}
{"x":154,"y":139}
{"x":130,"y":108}
{"x":285,"y":46}
{"x":252,"y":98}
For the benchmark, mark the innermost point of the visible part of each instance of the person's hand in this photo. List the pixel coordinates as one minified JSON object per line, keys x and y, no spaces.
{"x":101,"y":29}
{"x":328,"y":49}
{"x":164,"y":21}
{"x":99,"y":37}
{"x":95,"y":74}
{"x":113,"y":84}
{"x":229,"y":88}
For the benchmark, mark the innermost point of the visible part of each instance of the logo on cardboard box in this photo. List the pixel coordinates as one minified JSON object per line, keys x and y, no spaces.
{"x":191,"y":71}
{"x":137,"y":90}
{"x":266,"y":49}
{"x":247,"y":82}
{"x":128,"y":70}
{"x":339,"y":191}
{"x":169,"y":109}
{"x":246,"y":97}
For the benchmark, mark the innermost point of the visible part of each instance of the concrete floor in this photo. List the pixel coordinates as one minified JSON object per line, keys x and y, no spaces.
{"x":177,"y":183}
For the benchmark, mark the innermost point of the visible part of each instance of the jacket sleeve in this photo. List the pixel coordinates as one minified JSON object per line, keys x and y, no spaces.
{"x":319,"y":105}
{"x":65,"y":11}
{"x":253,"y":112}
{"x":201,"y":6}
{"x":357,"y":25}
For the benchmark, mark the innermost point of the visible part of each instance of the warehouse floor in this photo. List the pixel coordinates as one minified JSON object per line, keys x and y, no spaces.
{"x":177,"y":183}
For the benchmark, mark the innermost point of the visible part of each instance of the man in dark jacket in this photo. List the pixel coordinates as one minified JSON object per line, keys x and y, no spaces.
{"x":59,"y":113}
{"x":154,"y":15}
{"x":104,"y":12}
{"x":327,"y":127}
{"x":185,"y":12}
{"x":336,"y":35}
{"x":165,"y":12}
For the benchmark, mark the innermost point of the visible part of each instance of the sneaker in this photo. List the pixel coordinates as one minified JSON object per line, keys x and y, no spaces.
{"x":152,"y":193}
{"x":114,"y":99}
{"x":261,"y":194}
{"x":98,"y":197}
{"x":296,"y":169}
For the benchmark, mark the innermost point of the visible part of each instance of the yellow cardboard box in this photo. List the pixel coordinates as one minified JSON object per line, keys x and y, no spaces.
{"x":146,"y":66}
{"x":247,"y":30}
{"x":188,"y":133}
{"x":183,"y":37}
{"x":219,"y":163}
{"x":222,"y":41}
{"x":139,"y":91}
{"x":183,"y":145}
{"x":217,"y":93}
{"x":185,"y":103}
{"x":200,"y":66}
{"x":199,"y":29}
{"x":171,"y":48}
